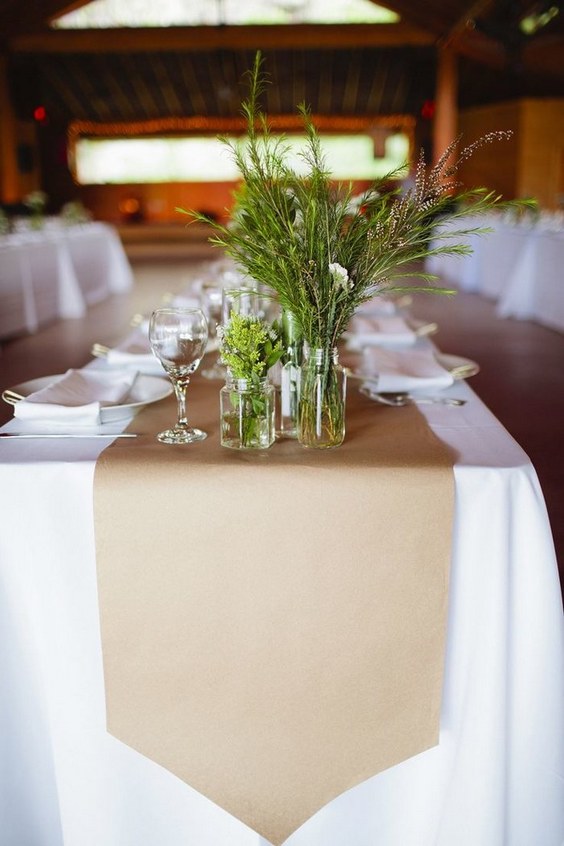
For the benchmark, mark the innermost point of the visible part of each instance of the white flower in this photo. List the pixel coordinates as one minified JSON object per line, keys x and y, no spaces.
{"x":356,"y":203}
{"x":340,"y":276}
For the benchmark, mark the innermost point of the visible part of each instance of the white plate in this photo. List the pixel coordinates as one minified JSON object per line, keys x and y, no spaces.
{"x":145,"y":390}
{"x":457,"y":366}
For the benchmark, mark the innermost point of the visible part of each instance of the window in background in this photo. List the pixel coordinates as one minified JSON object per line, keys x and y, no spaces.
{"x":144,"y":13}
{"x":205,"y":159}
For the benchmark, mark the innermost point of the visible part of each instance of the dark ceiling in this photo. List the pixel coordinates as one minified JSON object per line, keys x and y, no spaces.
{"x":131,"y":75}
{"x":140,"y":86}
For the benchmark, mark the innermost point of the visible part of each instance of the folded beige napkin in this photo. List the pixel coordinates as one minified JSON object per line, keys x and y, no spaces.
{"x":391,"y":370}
{"x":374,"y":330}
{"x":77,"y":397}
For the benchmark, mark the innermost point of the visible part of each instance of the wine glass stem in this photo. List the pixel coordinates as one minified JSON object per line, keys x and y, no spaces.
{"x":180,"y":387}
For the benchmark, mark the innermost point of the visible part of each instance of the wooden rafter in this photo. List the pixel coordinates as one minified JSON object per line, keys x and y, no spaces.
{"x":299,"y":36}
{"x":460,"y":27}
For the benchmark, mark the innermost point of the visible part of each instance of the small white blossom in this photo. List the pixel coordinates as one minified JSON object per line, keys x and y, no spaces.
{"x":340,"y":276}
{"x":356,"y":203}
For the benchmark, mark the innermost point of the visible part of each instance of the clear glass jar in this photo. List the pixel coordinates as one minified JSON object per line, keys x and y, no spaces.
{"x":290,"y":375}
{"x":247,"y":414}
{"x":323,"y":385}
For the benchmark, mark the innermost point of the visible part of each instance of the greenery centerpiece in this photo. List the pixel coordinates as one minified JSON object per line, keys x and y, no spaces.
{"x":249,"y":348}
{"x":4,"y":223}
{"x":36,"y":201}
{"x":325,"y":251}
{"x":74,"y":213}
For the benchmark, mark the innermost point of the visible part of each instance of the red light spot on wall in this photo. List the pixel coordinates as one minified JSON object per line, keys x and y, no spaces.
{"x":40,"y":114}
{"x":428,"y":110}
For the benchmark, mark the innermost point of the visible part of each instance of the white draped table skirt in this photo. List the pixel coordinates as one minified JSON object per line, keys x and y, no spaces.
{"x":519,"y":265}
{"x":57,"y":273}
{"x":495,"y":779}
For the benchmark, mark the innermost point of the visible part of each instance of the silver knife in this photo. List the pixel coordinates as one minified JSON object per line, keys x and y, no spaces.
{"x":66,"y":435}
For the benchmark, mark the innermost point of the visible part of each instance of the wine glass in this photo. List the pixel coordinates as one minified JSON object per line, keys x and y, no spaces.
{"x":178,"y":338}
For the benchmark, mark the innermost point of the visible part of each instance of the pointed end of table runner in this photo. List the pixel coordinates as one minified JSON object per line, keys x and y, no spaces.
{"x":288,"y":805}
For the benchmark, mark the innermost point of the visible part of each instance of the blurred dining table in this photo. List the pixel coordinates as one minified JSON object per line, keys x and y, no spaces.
{"x":58,"y":272}
{"x":496,"y":775}
{"x":518,"y":264}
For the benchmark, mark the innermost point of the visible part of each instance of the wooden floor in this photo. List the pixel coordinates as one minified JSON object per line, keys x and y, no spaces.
{"x":521,"y":378}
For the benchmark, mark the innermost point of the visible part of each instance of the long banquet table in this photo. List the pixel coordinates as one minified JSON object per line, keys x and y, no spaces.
{"x":57,"y":273}
{"x":496,"y":777}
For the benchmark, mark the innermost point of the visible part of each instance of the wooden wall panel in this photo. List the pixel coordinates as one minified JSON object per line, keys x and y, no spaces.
{"x":531,"y":163}
{"x":495,"y":165}
{"x":542,"y":152}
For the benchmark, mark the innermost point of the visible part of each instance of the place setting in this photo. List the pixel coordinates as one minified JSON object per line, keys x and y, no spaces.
{"x":82,"y":403}
{"x":205,"y":292}
{"x":419,"y":375}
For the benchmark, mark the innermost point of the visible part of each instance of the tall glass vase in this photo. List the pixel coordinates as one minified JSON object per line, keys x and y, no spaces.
{"x":321,"y":418}
{"x":290,"y":375}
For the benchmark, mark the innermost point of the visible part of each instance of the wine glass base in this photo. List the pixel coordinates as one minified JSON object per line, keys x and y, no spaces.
{"x":181,"y":436}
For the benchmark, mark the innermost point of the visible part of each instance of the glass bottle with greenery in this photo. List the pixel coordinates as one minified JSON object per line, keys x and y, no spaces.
{"x":290,"y":374}
{"x":249,"y":348}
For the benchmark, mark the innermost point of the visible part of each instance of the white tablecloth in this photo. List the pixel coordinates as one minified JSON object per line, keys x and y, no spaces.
{"x":58,"y":272}
{"x":535,"y":288}
{"x":495,"y":779}
{"x":460,"y":271}
{"x":518,"y":264}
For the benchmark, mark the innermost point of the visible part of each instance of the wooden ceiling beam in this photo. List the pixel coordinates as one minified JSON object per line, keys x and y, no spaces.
{"x":473,"y":45}
{"x":465,"y":21}
{"x":203,"y":38}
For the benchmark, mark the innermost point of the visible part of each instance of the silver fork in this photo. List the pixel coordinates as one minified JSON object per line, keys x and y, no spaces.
{"x":10,"y":396}
{"x":99,"y":350}
{"x":400,"y":399}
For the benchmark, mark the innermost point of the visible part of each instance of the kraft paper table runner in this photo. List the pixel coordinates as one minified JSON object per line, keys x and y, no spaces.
{"x":273,"y":622}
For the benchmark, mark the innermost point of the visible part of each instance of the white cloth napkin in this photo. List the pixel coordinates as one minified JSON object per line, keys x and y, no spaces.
{"x":76,"y":398}
{"x":410,"y":370}
{"x":134,"y":353}
{"x":142,"y":362}
{"x":384,"y":330}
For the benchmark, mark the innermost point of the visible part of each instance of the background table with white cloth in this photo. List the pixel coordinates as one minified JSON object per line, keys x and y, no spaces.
{"x":519,"y":264}
{"x":58,"y":272}
{"x":496,"y":777}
